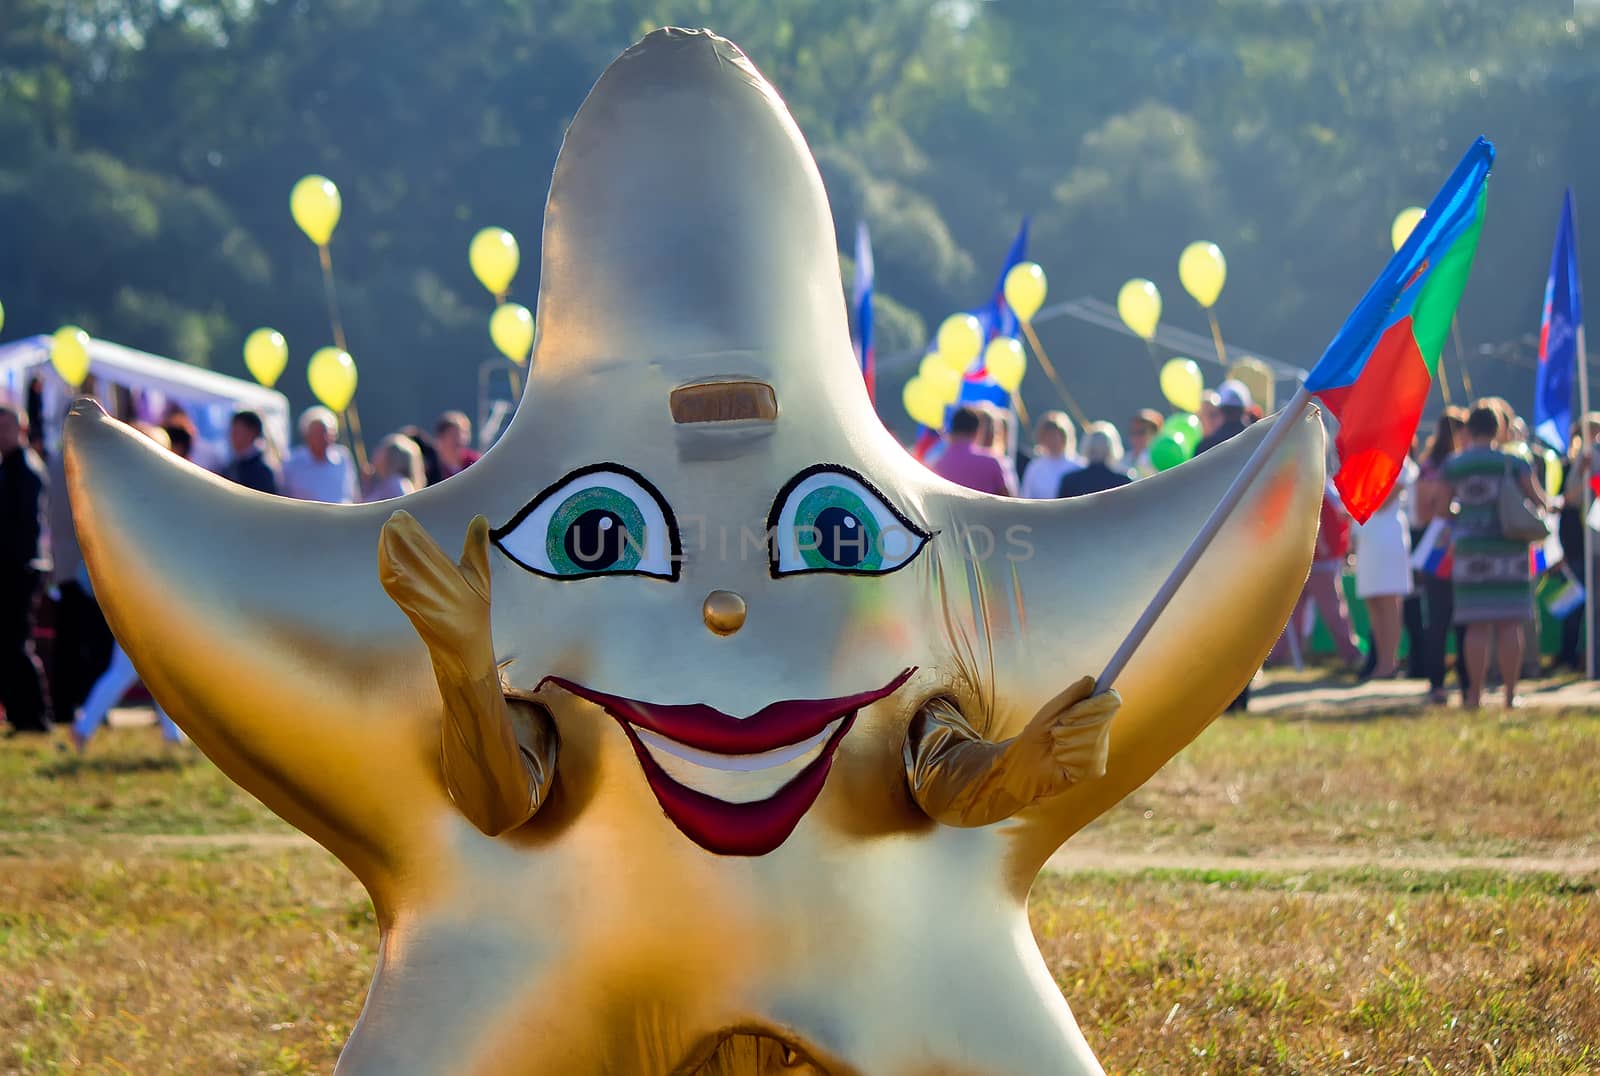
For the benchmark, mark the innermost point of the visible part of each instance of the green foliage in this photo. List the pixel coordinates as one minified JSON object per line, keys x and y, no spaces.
{"x":149,"y":148}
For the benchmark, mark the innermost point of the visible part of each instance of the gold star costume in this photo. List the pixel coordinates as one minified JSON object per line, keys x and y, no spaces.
{"x":736,"y":738}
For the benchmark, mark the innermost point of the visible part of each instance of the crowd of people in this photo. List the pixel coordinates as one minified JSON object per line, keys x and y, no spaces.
{"x":83,"y":672}
{"x":1432,"y":565}
{"x":1464,"y":580}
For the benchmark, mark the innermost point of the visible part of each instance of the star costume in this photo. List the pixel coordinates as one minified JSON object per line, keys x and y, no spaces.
{"x":736,"y":737}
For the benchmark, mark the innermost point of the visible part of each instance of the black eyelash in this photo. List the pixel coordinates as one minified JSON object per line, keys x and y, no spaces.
{"x":840,"y":469}
{"x":674,"y":541}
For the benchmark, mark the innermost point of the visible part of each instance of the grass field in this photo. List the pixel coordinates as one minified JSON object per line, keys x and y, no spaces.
{"x":1441,"y":914}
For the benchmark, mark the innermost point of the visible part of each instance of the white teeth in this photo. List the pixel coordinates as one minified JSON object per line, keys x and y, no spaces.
{"x":711,"y":760}
{"x":735,"y":778}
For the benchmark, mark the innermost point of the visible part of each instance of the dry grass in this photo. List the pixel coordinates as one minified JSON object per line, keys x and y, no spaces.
{"x":128,"y":783}
{"x":254,"y":962}
{"x":120,"y":955}
{"x":1264,"y":975}
{"x":240,"y":962}
{"x":1436,"y":783}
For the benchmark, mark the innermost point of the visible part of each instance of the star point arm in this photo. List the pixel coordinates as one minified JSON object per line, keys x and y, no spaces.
{"x":496,"y":780}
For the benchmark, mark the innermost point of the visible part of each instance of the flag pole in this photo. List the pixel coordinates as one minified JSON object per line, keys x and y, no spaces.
{"x":1585,"y":483}
{"x":1282,"y":426}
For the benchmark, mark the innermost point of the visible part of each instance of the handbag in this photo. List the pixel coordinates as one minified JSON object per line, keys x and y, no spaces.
{"x":1520,"y":519}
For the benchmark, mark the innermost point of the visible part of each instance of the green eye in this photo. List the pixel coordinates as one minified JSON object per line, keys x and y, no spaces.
{"x":595,"y":530}
{"x":829,"y":519}
{"x":601,"y":520}
{"x":835,"y":530}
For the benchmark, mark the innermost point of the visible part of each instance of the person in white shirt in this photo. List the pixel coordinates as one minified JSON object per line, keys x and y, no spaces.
{"x":320,"y":469}
{"x":1055,"y":455}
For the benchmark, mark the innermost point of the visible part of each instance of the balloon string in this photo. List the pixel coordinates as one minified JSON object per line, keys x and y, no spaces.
{"x":1022,"y":412}
{"x":1461,"y":362}
{"x":332,"y":296}
{"x":353,"y":425}
{"x":352,"y":419}
{"x":1216,"y":337}
{"x":1444,"y":379}
{"x":500,"y":298}
{"x":1050,"y":371}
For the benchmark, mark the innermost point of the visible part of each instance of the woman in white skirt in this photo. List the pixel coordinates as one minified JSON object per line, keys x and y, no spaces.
{"x":1383,"y":573}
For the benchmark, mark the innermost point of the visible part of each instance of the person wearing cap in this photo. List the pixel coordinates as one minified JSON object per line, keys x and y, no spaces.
{"x":1142,"y":430}
{"x":1233,"y":399}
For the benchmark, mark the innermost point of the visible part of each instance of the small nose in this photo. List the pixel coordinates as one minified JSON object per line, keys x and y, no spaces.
{"x":723,"y":611}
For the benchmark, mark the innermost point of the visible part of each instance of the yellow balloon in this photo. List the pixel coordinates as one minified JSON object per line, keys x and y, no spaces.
{"x":927,"y":397}
{"x":266,"y":353}
{"x":945,"y":384}
{"x":495,"y":256}
{"x":932,"y":364}
{"x":1203,"y":270}
{"x":1025,"y":289}
{"x":69,"y":354}
{"x":511,"y":329}
{"x":1006,"y":362}
{"x":332,"y":374}
{"x":1139,"y":304}
{"x":1554,"y":474}
{"x":960,"y":339}
{"x":921,"y":405}
{"x":316,"y":206}
{"x":1405,"y":222}
{"x":1182,"y":384}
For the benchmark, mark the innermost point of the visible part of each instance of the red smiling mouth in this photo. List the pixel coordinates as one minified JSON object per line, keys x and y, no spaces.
{"x":779,"y":733}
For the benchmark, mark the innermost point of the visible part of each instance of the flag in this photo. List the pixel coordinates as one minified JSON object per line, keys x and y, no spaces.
{"x":1558,"y":337}
{"x":1376,"y":373}
{"x":1543,"y":557}
{"x":996,"y":315}
{"x":1562,"y":594}
{"x":997,"y":320}
{"x":861,"y":301}
{"x":1432,"y":553}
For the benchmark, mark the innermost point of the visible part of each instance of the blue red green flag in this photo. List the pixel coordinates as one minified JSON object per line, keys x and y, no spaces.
{"x":1376,"y":373}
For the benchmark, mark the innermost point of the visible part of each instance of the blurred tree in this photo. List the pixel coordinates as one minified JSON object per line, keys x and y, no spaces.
{"x":150,"y":146}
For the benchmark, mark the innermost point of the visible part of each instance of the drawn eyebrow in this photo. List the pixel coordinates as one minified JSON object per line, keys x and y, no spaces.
{"x":724,"y":401}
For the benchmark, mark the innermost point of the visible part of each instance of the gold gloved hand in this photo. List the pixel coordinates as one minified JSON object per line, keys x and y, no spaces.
{"x":960,"y":779}
{"x":448,"y":603}
{"x":497,"y":782}
{"x":1066,"y":742}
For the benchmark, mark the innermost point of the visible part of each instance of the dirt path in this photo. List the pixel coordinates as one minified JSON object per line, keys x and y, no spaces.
{"x":58,"y":844}
{"x":1068,"y":861}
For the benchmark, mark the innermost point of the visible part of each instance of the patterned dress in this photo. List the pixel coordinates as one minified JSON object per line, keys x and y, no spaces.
{"x":1491,"y":575}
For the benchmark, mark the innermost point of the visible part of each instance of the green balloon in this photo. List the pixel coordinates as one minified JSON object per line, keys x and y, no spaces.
{"x":1183,"y":422}
{"x":1169,"y":450}
{"x":2,"y":315}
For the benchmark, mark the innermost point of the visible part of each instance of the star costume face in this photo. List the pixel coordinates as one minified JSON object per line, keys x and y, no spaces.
{"x":731,"y":592}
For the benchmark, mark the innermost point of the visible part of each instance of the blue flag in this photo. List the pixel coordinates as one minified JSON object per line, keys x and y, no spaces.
{"x":861,"y":299}
{"x":996,"y":316}
{"x":998,"y":320}
{"x":1558,"y":337}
